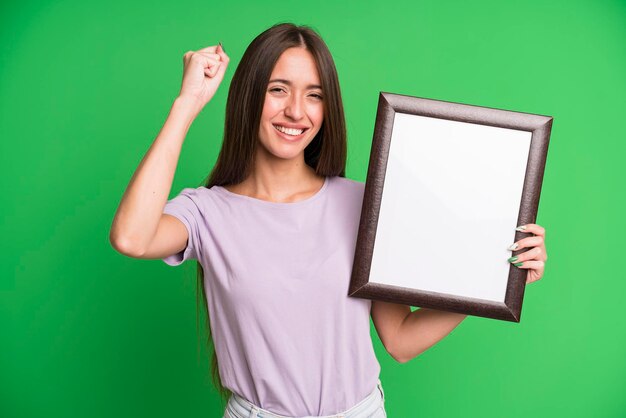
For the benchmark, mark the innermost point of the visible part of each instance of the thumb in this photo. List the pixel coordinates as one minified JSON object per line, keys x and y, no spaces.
{"x":223,"y":58}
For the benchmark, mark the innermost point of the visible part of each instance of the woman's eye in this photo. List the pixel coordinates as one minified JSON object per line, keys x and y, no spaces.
{"x":280,"y":89}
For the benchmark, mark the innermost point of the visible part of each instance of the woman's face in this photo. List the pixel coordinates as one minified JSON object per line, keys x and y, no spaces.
{"x":294,"y":109}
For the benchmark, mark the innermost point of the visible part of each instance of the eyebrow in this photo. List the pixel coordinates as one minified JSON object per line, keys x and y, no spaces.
{"x":287,"y":82}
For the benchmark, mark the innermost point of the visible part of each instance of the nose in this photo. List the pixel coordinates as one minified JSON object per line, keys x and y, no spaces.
{"x":294,"y":108}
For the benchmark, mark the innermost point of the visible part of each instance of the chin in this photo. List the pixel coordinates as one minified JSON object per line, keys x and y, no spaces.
{"x":285,"y":152}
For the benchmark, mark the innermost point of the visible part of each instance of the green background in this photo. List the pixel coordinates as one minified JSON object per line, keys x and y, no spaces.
{"x":85,"y":88}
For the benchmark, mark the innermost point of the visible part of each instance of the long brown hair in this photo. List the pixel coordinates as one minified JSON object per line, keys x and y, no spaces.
{"x":326,"y":153}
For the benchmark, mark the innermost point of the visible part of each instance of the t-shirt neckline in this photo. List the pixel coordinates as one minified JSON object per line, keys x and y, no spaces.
{"x":267,"y":203}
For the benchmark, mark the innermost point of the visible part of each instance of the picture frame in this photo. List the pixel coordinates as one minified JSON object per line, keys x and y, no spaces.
{"x":447,"y":185}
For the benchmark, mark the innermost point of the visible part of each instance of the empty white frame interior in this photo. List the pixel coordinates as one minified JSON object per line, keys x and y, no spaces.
{"x":449,"y":206}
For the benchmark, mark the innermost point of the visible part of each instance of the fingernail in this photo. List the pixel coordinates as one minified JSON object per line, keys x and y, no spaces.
{"x":512,"y":259}
{"x":518,"y":264}
{"x":521,"y":228}
{"x":222,"y":46}
{"x":512,"y":247}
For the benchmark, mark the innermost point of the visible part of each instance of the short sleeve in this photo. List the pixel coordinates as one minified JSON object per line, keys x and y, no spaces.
{"x":185,"y":207}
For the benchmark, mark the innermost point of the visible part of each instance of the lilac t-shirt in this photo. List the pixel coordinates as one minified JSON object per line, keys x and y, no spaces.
{"x":287,"y":336}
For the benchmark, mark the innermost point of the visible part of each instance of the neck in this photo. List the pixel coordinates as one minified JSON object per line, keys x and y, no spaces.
{"x":279,"y":180}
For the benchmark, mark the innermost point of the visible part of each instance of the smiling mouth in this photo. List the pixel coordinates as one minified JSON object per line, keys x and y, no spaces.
{"x":290,"y":131}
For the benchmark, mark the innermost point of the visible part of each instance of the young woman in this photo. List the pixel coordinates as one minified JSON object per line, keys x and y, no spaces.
{"x":274,"y":231}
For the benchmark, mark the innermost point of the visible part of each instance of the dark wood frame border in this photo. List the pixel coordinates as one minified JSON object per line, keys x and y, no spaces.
{"x":388,"y":105}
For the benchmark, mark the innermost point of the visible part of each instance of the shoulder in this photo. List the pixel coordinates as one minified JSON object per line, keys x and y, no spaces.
{"x":344,"y":184}
{"x":195,"y":194}
{"x":347,"y":190}
{"x":196,"y":198}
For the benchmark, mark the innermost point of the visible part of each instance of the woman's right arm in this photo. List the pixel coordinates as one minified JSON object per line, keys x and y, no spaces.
{"x":140,"y":228}
{"x":140,"y":212}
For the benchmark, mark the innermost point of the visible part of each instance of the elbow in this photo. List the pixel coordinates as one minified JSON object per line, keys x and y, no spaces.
{"x":403,"y":357}
{"x":124,"y":246}
{"x":397,"y":356}
{"x":400,"y":359}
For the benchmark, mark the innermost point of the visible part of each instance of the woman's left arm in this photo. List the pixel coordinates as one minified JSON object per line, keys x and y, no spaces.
{"x":407,"y":334}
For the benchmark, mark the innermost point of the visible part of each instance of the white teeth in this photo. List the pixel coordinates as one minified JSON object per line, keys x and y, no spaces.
{"x":289,"y":131}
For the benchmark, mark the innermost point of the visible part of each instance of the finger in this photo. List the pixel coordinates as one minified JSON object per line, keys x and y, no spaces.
{"x":537,"y":230}
{"x":210,"y":49}
{"x":527,"y":242}
{"x":216,"y":57}
{"x":205,"y":59}
{"x":535,"y":253}
{"x":533,"y":229}
{"x":211,"y":64}
{"x":533,"y":274}
{"x":531,"y":264}
{"x":207,"y":63}
{"x":211,"y":71}
{"x":220,"y":50}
